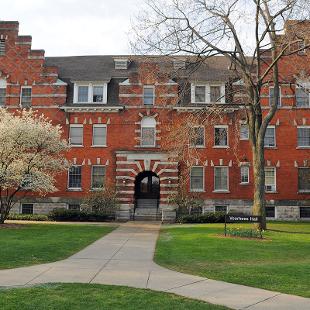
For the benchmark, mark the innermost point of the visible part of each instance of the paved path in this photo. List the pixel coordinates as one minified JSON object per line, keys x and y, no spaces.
{"x":125,"y":257}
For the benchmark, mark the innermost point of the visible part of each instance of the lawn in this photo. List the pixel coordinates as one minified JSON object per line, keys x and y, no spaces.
{"x":31,"y":244}
{"x":281,"y":262}
{"x":94,"y":297}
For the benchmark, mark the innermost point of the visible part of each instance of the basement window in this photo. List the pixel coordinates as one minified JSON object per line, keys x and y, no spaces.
{"x":27,"y":208}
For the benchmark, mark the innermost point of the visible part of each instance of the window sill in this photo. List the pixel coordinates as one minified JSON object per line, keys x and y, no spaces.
{"x":303,"y":192}
{"x":147,"y":146}
{"x":76,"y":145}
{"x":74,"y":189}
{"x":197,"y":191}
{"x":220,"y":147}
{"x":271,"y":147}
{"x":99,"y":146}
{"x":275,"y":192}
{"x":221,"y":191}
{"x":198,"y":147}
{"x":303,"y":147}
{"x":77,"y":103}
{"x":243,"y":183}
{"x":97,"y":189}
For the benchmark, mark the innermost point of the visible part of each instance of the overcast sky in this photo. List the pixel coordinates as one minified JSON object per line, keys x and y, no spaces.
{"x":74,"y":27}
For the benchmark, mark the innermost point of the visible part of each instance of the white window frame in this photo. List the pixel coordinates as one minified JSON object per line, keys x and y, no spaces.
{"x":21,"y":94}
{"x":141,"y":133}
{"x":74,"y":188}
{"x":203,"y":180}
{"x":204,"y":139}
{"x":207,"y":92}
{"x":90,"y":86}
{"x":248,"y":135}
{"x":302,"y":146}
{"x":248,"y":174}
{"x":280,"y":96}
{"x":275,"y":138}
{"x":221,"y":146}
{"x":302,"y":88}
{"x":3,"y":85}
{"x":76,"y":126}
{"x":221,"y":190}
{"x":152,"y":87}
{"x":275,"y":180}
{"x":106,"y":135}
{"x":92,"y":174}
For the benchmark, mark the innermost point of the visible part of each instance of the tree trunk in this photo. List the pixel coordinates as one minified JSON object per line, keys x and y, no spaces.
{"x":259,"y":185}
{"x":4,"y":212}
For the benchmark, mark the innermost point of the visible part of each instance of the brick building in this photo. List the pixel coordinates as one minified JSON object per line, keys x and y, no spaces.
{"x":116,"y":113}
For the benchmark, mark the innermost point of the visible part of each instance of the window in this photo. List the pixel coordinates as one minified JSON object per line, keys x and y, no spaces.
{"x":148,"y":135}
{"x":76,"y":135}
{"x":271,"y":96}
{"x":270,"y":137}
{"x":200,"y":94}
{"x":198,"y":137}
{"x":74,"y":207}
{"x":197,"y":179}
{"x":244,"y":174}
{"x":220,"y":136}
{"x":270,"y":180}
{"x":98,"y":176}
{"x":215,"y":93}
{"x":244,"y":132}
{"x":82,"y":93}
{"x":99,"y":135}
{"x":304,"y":180}
{"x":303,"y":136}
{"x":98,"y":93}
{"x":148,"y":95}
{"x":221,"y":209}
{"x":25,"y":97}
{"x":75,"y":177}
{"x":304,"y":212}
{"x":179,"y":64}
{"x":271,"y":212}
{"x":221,"y":178}
{"x":301,"y":47}
{"x":2,"y":47}
{"x":27,"y":208}
{"x":302,"y":97}
{"x":121,"y":64}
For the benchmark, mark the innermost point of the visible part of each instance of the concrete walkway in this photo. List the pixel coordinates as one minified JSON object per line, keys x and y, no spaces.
{"x":125,"y":257}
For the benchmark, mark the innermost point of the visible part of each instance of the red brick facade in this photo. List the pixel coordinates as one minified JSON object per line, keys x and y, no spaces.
{"x":124,"y":157}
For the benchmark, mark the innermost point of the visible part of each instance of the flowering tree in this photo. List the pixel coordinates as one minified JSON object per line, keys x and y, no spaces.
{"x":31,"y":154}
{"x":250,"y":35}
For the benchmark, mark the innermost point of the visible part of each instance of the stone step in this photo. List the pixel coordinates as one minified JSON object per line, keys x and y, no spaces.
{"x":146,"y":211}
{"x":148,"y":217}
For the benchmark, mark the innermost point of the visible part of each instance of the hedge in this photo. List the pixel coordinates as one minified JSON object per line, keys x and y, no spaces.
{"x":80,"y":216}
{"x":210,"y":217}
{"x":28,"y":217}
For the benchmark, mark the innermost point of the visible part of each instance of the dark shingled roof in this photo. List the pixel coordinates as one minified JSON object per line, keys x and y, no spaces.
{"x":98,"y":68}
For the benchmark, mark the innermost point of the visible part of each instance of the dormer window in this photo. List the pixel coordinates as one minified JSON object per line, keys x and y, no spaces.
{"x":208,"y":93}
{"x":2,"y":47}
{"x":93,"y":92}
{"x":121,"y":63}
{"x":178,"y":64}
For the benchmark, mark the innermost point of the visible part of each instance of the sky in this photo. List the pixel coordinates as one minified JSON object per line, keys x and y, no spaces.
{"x":74,"y":27}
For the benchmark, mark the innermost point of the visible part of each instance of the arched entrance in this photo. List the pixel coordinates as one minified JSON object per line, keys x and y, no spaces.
{"x":147,"y":190}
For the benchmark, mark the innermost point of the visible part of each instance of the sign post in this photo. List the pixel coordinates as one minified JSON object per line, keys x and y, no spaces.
{"x":240,"y":218}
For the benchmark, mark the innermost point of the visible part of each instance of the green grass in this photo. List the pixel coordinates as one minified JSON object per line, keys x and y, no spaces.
{"x":94,"y":297}
{"x":280,"y":263}
{"x":32,"y":244}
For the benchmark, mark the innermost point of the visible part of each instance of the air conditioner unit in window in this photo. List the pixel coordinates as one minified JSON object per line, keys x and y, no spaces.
{"x":269,"y":188}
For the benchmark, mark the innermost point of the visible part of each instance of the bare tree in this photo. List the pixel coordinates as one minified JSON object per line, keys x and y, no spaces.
{"x":250,"y":34}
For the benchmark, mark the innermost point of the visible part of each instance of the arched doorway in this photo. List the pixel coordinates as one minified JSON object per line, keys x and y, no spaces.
{"x":147,"y":190}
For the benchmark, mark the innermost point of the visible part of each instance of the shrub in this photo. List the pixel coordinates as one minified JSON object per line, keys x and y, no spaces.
{"x":61,"y":214}
{"x":210,"y":217}
{"x":101,"y":201}
{"x":244,"y":233}
{"x":28,"y":217}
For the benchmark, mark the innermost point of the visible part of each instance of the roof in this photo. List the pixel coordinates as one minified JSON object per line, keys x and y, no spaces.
{"x":101,"y":68}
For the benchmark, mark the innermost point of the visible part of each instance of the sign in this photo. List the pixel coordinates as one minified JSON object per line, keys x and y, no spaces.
{"x":242,"y":218}
{"x":235,"y":218}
